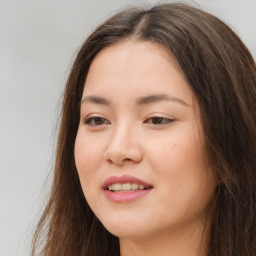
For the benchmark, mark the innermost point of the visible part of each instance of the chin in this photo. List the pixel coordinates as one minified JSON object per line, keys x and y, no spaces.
{"x":125,"y":228}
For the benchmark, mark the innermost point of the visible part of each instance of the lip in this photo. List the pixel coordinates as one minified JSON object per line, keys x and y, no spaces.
{"x":122,"y":197}
{"x":124,"y":179}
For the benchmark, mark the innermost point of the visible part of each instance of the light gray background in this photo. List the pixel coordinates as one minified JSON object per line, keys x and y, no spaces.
{"x":38,"y":41}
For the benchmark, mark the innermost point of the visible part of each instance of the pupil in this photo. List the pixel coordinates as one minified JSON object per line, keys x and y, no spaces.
{"x":157,"y":120}
{"x":98,"y":121}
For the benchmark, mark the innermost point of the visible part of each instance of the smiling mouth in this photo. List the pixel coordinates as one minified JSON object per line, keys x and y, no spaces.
{"x":125,"y":183}
{"x":126,"y":187}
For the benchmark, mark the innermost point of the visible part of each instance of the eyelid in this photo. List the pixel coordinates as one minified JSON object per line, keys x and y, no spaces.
{"x":86,"y":120}
{"x":154,"y":120}
{"x":167,"y":120}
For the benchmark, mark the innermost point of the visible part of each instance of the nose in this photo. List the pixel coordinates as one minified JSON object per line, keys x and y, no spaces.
{"x":124,"y":147}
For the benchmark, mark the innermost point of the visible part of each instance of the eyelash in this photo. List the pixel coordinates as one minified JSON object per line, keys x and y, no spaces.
{"x":89,"y":120}
{"x":163,"y":120}
{"x":157,"y":120}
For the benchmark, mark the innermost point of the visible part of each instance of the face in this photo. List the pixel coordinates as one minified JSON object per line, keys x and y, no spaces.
{"x":139,"y":149}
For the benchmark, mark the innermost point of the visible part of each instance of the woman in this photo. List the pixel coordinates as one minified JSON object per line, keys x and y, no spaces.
{"x":157,"y":144}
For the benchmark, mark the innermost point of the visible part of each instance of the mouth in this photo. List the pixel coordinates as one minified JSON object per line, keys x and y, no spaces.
{"x":125,"y":183}
{"x":125,"y":188}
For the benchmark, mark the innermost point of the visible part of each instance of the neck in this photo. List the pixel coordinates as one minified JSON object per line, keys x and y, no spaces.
{"x":178,"y":243}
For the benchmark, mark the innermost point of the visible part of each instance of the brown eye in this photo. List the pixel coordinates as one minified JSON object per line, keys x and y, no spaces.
{"x":96,"y":121}
{"x":159,"y":120}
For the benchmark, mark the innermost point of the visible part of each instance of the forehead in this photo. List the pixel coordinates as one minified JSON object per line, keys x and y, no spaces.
{"x":136,"y":67}
{"x":135,"y":53}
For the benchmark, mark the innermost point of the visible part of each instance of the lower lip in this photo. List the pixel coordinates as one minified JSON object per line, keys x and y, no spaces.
{"x":120,"y":197}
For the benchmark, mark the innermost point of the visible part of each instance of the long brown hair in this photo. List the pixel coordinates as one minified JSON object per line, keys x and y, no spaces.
{"x":222,"y":75}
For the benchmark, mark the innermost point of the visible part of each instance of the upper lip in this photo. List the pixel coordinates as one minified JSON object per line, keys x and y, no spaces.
{"x":124,"y":179}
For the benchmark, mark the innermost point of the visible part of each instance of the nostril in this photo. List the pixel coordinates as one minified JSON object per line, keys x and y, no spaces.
{"x":127,"y":160}
{"x":119,"y":161}
{"x":122,"y":155}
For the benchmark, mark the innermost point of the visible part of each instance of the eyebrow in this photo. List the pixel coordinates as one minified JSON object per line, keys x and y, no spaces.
{"x":96,"y":99}
{"x":159,"y":97}
{"x":139,"y":101}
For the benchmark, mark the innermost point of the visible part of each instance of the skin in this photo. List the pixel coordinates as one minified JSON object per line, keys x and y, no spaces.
{"x":129,"y":139}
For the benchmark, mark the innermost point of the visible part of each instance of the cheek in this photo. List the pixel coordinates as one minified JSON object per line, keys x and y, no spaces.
{"x":180,"y":166}
{"x":88,"y":159}
{"x":177,"y":152}
{"x":88,"y":155}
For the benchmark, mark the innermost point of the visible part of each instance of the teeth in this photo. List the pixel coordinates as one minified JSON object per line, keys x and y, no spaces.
{"x":135,"y":186}
{"x":125,"y":187}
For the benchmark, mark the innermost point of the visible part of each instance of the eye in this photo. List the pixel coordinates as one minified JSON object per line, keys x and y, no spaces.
{"x":96,"y":121}
{"x":159,"y":120}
